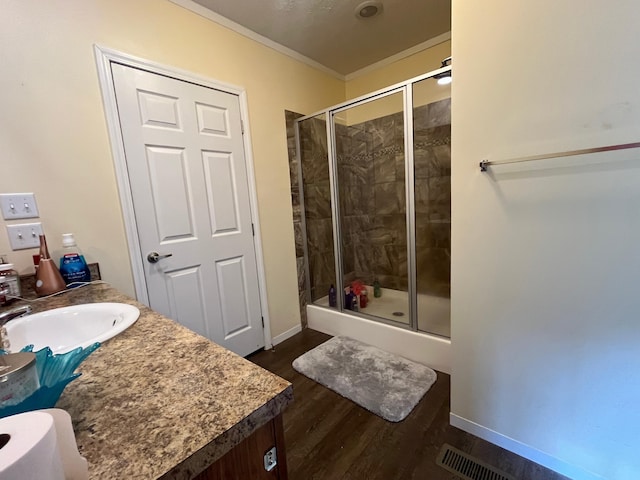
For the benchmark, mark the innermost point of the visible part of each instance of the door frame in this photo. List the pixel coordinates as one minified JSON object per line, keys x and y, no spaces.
{"x":104,"y":57}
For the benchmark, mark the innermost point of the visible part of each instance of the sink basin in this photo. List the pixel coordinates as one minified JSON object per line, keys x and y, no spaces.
{"x":66,"y":328}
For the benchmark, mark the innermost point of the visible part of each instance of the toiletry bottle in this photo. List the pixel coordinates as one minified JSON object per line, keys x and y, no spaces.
{"x":348,"y":298}
{"x":377,"y":291}
{"x":73,"y":266}
{"x":363,"y":298}
{"x":333,"y":300}
{"x":354,"y":303}
{"x":48,"y":278}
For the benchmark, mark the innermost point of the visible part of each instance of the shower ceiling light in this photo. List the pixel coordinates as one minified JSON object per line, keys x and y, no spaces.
{"x":444,"y":78}
{"x":368,"y":9}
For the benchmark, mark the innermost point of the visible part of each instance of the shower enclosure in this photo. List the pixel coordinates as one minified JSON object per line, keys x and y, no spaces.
{"x":376,"y":205}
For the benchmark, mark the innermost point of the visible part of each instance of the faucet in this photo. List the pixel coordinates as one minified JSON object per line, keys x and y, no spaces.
{"x":7,"y":316}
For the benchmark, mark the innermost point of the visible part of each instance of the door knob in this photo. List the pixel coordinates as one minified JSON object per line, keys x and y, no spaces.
{"x":154,"y":257}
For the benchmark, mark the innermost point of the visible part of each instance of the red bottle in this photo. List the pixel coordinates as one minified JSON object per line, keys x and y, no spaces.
{"x":363,"y":298}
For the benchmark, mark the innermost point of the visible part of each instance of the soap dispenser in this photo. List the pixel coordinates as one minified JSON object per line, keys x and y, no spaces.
{"x":48,"y":278}
{"x":73,"y":266}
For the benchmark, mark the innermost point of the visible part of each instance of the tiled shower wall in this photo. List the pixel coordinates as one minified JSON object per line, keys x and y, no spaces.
{"x":371,"y":176}
{"x":290,"y":118}
{"x":317,"y":206}
{"x":432,"y":157}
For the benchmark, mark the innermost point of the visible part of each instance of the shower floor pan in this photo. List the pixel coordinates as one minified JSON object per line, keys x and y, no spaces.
{"x":434,"y":313}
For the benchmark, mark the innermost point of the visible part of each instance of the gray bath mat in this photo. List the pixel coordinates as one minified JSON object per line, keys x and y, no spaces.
{"x":383,"y":383}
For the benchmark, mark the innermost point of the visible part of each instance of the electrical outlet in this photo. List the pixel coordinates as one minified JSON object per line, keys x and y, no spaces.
{"x":24,"y":235}
{"x":18,"y":205}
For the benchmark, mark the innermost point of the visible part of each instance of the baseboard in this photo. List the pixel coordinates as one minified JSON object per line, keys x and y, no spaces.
{"x":522,"y":449}
{"x":286,"y":335}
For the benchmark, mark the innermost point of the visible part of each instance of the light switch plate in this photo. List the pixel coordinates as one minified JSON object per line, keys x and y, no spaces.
{"x":18,"y":205}
{"x":24,"y":235}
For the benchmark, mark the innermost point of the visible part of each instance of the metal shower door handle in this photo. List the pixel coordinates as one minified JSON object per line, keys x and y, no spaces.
{"x":154,"y":257}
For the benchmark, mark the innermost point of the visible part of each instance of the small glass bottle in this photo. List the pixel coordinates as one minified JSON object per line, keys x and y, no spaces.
{"x":377,"y":291}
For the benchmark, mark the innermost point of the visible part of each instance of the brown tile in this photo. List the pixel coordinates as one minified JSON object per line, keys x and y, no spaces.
{"x":295,"y":203}
{"x":319,"y":234}
{"x":389,"y":198}
{"x":384,"y":168}
{"x":293,"y":169}
{"x":317,"y":200}
{"x":421,"y":195}
{"x":297,"y":232}
{"x":440,"y":198}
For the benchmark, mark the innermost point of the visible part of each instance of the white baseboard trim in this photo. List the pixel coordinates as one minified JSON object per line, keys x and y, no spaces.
{"x":286,"y":335}
{"x":522,"y":449}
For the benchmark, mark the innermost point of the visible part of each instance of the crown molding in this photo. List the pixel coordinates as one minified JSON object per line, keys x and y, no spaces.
{"x":236,"y":27}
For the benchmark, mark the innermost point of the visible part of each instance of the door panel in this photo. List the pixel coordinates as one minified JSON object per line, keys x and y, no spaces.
{"x":185,"y":294}
{"x":170,"y":190}
{"x":187,"y":171}
{"x":158,"y":110}
{"x":212,"y":120}
{"x":221,"y":194}
{"x":233,"y":295}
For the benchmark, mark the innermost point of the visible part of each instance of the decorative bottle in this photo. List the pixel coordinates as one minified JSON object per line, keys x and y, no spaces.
{"x":48,"y":278}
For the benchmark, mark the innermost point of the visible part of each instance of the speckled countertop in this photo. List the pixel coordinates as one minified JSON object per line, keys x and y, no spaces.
{"x":159,"y":401}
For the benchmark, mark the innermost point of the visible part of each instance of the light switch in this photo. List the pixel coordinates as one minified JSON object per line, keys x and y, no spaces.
{"x":24,"y":235}
{"x":18,"y":205}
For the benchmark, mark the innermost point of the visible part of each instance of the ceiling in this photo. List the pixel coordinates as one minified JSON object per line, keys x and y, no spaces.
{"x":330,"y":33}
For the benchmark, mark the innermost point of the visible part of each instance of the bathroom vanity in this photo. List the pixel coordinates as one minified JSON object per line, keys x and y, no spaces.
{"x":159,"y":401}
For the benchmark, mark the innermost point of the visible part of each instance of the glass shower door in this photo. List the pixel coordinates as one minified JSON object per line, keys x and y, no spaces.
{"x":432,"y":173}
{"x":370,"y":182}
{"x":317,"y":216}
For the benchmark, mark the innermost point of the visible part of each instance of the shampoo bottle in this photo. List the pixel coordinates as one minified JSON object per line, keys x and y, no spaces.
{"x":333,"y":299}
{"x":73,"y":266}
{"x":48,"y":278}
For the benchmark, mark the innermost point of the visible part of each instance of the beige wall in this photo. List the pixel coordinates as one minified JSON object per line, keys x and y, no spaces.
{"x":545,"y":263}
{"x":417,"y":64}
{"x":53,"y":136}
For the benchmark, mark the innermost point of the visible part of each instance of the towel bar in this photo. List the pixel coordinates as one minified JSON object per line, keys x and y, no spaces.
{"x":484,"y":164}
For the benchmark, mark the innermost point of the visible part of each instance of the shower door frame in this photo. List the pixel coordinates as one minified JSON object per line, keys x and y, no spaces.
{"x":406,"y":88}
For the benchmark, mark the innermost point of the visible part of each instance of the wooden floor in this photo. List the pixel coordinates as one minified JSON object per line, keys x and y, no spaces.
{"x":329,"y":437}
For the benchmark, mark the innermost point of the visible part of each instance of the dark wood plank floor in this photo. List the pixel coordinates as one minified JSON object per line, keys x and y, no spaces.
{"x":330,"y":438}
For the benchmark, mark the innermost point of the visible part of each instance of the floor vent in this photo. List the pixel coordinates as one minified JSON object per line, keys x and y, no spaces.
{"x":468,"y":467}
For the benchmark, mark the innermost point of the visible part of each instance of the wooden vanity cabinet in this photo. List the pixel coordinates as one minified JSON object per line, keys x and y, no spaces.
{"x":246,"y":460}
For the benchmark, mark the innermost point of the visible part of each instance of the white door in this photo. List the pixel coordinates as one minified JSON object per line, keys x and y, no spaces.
{"x":185,"y":159}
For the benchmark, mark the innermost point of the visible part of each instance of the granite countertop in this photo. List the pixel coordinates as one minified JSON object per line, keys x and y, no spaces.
{"x":159,"y":401}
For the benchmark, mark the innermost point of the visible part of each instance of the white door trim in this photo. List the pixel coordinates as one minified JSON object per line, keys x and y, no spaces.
{"x":104,"y":58}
